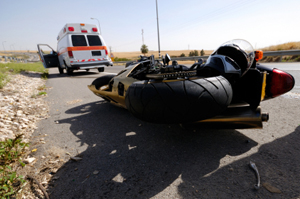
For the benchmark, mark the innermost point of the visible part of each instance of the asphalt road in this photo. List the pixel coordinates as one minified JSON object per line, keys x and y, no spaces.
{"x":123,"y":157}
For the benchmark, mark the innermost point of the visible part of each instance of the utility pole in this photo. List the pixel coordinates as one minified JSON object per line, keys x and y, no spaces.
{"x":111,"y":54}
{"x":158,"y":30}
{"x":110,"y":50}
{"x":143,"y":36}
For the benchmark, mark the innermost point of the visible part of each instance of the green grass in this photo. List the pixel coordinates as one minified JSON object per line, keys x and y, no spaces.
{"x":3,"y":79}
{"x":15,"y":68}
{"x":42,"y":93}
{"x":11,"y":151}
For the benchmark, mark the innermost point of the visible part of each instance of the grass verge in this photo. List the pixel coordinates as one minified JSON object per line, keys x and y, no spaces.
{"x":15,"y":68}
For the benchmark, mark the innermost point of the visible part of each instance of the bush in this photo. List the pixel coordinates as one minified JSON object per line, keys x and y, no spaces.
{"x":194,"y":53}
{"x":182,"y":55}
{"x":144,"y":49}
{"x":202,"y":53}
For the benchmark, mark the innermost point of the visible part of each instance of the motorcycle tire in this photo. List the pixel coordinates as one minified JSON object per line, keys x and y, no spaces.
{"x":179,"y":101}
{"x":101,"y":81}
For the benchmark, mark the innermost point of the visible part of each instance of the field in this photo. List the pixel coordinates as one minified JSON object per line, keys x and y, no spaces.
{"x":284,"y":46}
{"x":172,"y":53}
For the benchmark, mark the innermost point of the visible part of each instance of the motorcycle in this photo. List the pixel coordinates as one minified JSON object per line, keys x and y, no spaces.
{"x":223,"y":92}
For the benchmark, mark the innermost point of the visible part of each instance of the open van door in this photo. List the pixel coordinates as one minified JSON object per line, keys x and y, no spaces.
{"x":48,"y":56}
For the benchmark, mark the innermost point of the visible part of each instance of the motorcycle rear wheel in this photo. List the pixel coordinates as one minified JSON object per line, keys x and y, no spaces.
{"x":179,"y":101}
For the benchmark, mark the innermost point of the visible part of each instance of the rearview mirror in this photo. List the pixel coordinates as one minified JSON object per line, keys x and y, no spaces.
{"x":167,"y":59}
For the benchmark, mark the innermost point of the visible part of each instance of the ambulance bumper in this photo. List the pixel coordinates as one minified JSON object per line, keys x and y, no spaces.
{"x":90,"y":65}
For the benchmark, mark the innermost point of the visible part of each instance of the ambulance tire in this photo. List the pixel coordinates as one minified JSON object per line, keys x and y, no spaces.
{"x":61,"y":70}
{"x":101,"y":69}
{"x":69,"y":71}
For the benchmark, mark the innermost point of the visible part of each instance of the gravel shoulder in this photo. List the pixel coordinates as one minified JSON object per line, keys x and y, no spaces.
{"x":21,"y":106}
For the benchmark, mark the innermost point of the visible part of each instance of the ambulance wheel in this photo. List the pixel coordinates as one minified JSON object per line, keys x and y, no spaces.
{"x":61,"y":70}
{"x":101,"y":69}
{"x":69,"y":71}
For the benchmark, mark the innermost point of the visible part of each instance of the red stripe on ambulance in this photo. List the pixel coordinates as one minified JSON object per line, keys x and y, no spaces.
{"x":89,"y":60}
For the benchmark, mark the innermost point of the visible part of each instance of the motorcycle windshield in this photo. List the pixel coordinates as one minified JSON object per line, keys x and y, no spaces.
{"x":244,"y":46}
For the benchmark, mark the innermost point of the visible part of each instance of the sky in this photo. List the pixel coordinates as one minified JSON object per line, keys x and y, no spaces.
{"x":183,"y":24}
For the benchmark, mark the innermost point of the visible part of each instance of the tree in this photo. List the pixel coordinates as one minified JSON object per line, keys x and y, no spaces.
{"x":182,"y":55}
{"x":144,"y":49}
{"x":202,"y":53}
{"x":196,"y":53}
{"x":193,"y":53}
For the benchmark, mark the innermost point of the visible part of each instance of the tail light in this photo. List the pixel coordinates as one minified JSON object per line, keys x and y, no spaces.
{"x":70,"y":53}
{"x":95,"y":29}
{"x":85,"y":31}
{"x":281,"y":82}
{"x":106,"y":52}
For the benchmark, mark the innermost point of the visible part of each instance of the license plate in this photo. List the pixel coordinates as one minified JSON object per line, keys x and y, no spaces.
{"x":96,"y":53}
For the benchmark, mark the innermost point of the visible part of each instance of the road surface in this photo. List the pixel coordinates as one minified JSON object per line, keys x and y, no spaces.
{"x":123,"y":157}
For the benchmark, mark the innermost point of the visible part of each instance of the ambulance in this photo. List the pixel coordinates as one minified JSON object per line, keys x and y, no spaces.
{"x":79,"y":47}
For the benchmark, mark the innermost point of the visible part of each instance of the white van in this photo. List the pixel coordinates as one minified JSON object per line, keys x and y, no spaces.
{"x":79,"y":46}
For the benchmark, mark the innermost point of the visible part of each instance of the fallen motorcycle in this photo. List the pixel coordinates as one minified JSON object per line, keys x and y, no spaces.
{"x":223,"y":92}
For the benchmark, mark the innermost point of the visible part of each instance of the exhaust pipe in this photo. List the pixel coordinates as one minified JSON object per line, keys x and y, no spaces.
{"x":233,"y":118}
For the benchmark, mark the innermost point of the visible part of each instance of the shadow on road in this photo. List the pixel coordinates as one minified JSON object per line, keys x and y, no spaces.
{"x":278,"y":164}
{"x":75,"y":74}
{"x":127,"y":158}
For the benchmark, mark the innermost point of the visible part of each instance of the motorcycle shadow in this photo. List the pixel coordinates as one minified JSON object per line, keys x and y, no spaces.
{"x":128,"y":158}
{"x":80,"y":73}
